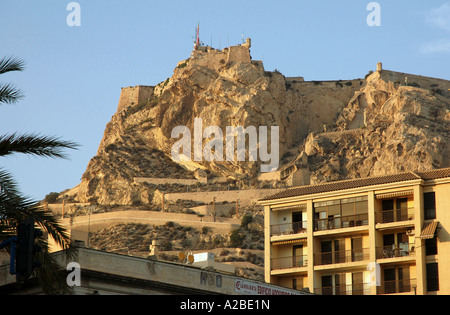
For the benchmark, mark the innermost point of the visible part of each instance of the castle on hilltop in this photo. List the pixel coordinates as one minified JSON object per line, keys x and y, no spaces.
{"x":204,"y":56}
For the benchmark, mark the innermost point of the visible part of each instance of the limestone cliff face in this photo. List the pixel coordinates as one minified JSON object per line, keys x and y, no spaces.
{"x":387,"y":127}
{"x":378,"y":125}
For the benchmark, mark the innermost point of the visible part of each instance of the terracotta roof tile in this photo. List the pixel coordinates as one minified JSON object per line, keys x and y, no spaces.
{"x":434,"y":174}
{"x":360,"y":182}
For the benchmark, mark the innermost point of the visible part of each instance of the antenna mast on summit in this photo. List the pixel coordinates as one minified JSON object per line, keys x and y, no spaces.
{"x":197,"y":37}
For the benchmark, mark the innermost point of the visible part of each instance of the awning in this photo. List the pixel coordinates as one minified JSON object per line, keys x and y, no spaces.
{"x":429,"y":230}
{"x":301,"y":206}
{"x":289,"y":242}
{"x":395,"y":194}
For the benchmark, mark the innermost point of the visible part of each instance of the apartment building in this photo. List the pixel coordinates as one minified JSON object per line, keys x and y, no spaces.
{"x":370,"y":236}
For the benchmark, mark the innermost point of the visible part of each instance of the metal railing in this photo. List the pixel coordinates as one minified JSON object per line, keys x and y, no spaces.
{"x":397,"y":215}
{"x":397,"y":286}
{"x":288,"y":228}
{"x":350,"y":289}
{"x":393,"y":251}
{"x":289,"y":262}
{"x":341,"y":222}
{"x":343,"y":256}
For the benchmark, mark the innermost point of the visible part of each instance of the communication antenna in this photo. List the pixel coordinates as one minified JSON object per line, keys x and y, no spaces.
{"x":243,"y":37}
{"x":197,"y":37}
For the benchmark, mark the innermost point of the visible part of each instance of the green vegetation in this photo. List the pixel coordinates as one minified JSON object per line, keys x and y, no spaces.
{"x":15,"y":208}
{"x":51,"y":197}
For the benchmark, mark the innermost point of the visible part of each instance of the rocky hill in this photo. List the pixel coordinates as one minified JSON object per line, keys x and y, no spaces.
{"x":388,"y":126}
{"x":385,"y":123}
{"x":328,"y":130}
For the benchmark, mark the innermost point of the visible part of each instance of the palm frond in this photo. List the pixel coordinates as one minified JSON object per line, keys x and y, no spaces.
{"x":16,"y":208}
{"x":50,"y":274}
{"x":9,"y":94}
{"x":35,"y":145}
{"x":9,"y":64}
{"x":8,"y":187}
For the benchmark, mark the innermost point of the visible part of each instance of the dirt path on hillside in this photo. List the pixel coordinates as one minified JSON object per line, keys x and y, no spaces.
{"x":96,"y":222}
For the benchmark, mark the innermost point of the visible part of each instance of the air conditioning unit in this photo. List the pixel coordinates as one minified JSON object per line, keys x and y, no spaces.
{"x":410,"y":232}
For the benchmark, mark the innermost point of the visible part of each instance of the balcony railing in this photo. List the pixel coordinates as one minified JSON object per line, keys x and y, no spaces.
{"x":398,"y":215}
{"x":397,"y":286}
{"x":341,"y":222}
{"x":288,"y":228}
{"x":351,"y":289}
{"x":289,"y":262}
{"x":339,"y":257}
{"x":394,"y":251}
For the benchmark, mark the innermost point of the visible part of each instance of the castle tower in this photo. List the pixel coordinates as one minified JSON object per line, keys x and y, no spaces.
{"x":379,"y":67}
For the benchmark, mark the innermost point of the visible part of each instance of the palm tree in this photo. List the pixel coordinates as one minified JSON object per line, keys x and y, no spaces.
{"x":14,"y":207}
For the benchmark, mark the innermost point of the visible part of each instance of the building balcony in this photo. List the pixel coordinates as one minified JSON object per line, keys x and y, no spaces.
{"x":341,"y":222}
{"x":396,"y":251}
{"x":351,"y":289}
{"x":398,"y":215}
{"x":289,"y":262}
{"x":288,"y":228}
{"x":405,"y":286}
{"x":340,"y":257}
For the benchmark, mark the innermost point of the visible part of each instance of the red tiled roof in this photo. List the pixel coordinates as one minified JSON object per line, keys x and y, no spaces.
{"x":360,"y":182}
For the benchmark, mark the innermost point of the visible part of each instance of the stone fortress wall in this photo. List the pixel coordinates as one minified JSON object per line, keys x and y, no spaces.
{"x":135,"y":95}
{"x":216,"y":59}
{"x":204,"y":56}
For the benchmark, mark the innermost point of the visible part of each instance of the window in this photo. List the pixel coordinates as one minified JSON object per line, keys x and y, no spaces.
{"x":357,"y":249}
{"x":432,"y":277}
{"x":298,"y":257}
{"x":297,"y":283}
{"x":326,"y":252}
{"x":298,"y":225}
{"x":404,"y":282}
{"x":389,"y":281}
{"x":340,"y":287}
{"x":429,"y":200}
{"x":402,"y":203}
{"x":327,"y":285}
{"x":431,"y":246}
{"x":402,"y":209}
{"x":357,"y":283}
{"x":395,"y":210}
{"x":342,"y":213}
{"x":339,"y":251}
{"x":388,"y":204}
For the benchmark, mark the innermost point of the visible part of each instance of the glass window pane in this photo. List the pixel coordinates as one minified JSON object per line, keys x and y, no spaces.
{"x":362,"y":207}
{"x":388,"y":204}
{"x":334,"y":210}
{"x":348,"y":209}
{"x":429,"y":200}
{"x":402,"y":203}
{"x":432,"y":277}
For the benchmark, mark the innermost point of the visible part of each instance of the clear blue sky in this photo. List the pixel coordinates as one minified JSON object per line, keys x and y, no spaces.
{"x":74,"y":75}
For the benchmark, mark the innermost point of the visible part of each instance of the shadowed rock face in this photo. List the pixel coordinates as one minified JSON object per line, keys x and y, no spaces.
{"x":373,"y":126}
